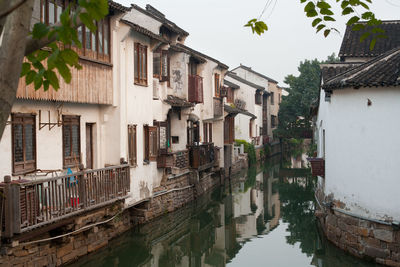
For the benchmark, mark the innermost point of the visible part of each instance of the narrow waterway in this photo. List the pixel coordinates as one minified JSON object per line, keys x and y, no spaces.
{"x":263,"y":217}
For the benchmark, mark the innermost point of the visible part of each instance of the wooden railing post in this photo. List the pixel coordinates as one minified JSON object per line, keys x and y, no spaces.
{"x":82,"y":187}
{"x":12,"y":208}
{"x":9,"y":231}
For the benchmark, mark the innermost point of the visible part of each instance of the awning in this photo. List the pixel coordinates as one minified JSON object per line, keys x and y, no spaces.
{"x":235,"y":111}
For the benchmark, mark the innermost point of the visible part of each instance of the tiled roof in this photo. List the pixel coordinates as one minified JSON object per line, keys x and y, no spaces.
{"x":352,"y":47}
{"x":191,"y":51}
{"x":256,"y":73}
{"x":330,"y":70}
{"x":155,"y":14}
{"x":240,"y":79}
{"x":118,"y":7}
{"x":380,"y":71}
{"x":235,"y":111}
{"x":144,"y":31}
{"x":175,"y":101}
{"x":231,"y":84}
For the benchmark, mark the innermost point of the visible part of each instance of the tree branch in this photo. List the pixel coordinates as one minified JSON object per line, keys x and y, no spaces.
{"x":5,"y":13}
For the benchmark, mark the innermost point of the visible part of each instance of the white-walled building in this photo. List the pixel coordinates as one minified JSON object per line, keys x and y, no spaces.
{"x":356,"y":131}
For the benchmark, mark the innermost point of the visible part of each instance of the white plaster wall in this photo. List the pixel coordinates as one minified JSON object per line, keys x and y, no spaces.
{"x":242,"y":127}
{"x":362,"y":150}
{"x":251,"y":77}
{"x":49,"y":142}
{"x":136,"y":103}
{"x":143,"y":20}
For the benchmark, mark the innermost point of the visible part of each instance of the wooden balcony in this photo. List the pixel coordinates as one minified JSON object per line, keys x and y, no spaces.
{"x":218,"y":107}
{"x":195,"y":90}
{"x":92,"y":84}
{"x":202,"y":156}
{"x":178,"y":159}
{"x":32,"y":204}
{"x":317,"y":166}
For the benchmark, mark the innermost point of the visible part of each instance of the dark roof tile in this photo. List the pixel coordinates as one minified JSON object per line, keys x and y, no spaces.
{"x":256,"y":73}
{"x":240,"y":79}
{"x":352,"y":47}
{"x":330,"y":70}
{"x":380,"y":71}
{"x":144,"y":31}
{"x":231,"y":84}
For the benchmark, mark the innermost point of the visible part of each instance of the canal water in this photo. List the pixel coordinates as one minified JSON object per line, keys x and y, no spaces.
{"x":262,"y":217}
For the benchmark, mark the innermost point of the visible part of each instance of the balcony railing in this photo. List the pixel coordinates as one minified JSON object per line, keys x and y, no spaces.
{"x":31,"y":204}
{"x":178,"y":159}
{"x":202,"y":156}
{"x":218,"y":110}
{"x":195,"y":90}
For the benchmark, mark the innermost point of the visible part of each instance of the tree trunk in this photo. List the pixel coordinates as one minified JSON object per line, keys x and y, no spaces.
{"x":12,"y":51}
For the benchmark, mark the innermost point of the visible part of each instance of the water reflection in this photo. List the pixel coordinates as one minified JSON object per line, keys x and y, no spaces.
{"x":261,"y":218}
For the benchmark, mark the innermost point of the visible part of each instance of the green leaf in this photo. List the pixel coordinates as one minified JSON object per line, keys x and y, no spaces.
{"x":326,"y":12}
{"x":40,"y":30}
{"x":364,"y":36}
{"x":358,"y":27}
{"x":309,"y":7}
{"x":316,"y":22}
{"x":41,"y":55}
{"x":329,"y":18}
{"x":30,"y":76}
{"x":52,"y":78}
{"x":88,"y":21}
{"x":323,"y":5}
{"x":26,"y":67}
{"x":372,"y":44}
{"x":327,"y":32}
{"x":69,"y":56}
{"x":347,"y":11}
{"x":353,"y":20}
{"x":46,"y":85}
{"x":320,"y":27}
{"x":64,"y":71}
{"x":37,"y":81}
{"x":312,"y":13}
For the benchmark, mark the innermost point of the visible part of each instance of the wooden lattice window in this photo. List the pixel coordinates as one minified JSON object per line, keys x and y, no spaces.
{"x":23,"y":143}
{"x":140,"y":64}
{"x":150,"y":143}
{"x":71,"y":141}
{"x":51,"y":10}
{"x":132,"y":145}
{"x":217,"y":85}
{"x":161,"y":65}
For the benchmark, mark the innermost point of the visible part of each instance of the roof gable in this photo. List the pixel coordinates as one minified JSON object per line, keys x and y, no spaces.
{"x":256,"y":73}
{"x":240,"y":79}
{"x":352,"y":47}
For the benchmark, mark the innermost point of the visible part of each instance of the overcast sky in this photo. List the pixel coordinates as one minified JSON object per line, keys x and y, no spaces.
{"x":216,"y":29}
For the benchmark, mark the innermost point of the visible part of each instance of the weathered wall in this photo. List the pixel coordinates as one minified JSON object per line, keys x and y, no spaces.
{"x":49,"y":142}
{"x":361,"y":150}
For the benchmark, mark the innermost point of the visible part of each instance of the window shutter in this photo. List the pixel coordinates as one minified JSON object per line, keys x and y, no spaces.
{"x":132,"y":150}
{"x":157,"y":64}
{"x":205,"y":132}
{"x":153,"y":143}
{"x":216,"y":85}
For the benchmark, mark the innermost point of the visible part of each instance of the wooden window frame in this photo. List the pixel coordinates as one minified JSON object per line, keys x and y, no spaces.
{"x":217,"y":87}
{"x":258,"y":98}
{"x":230,"y":97}
{"x":210,"y":132}
{"x":23,"y":119}
{"x":132,"y":145}
{"x":150,"y":141}
{"x":71,"y":120}
{"x":44,"y":17}
{"x":164,"y":65}
{"x":205,"y":132}
{"x":141,"y":73}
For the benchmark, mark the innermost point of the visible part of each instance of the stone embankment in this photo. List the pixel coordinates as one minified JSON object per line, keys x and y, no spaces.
{"x":363,"y":238}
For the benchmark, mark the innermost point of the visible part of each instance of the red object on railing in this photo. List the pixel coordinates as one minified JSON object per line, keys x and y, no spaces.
{"x":74,"y":201}
{"x":317,"y":166}
{"x":195,"y":92}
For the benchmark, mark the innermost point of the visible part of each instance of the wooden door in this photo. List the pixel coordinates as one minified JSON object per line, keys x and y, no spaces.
{"x":89,"y":145}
